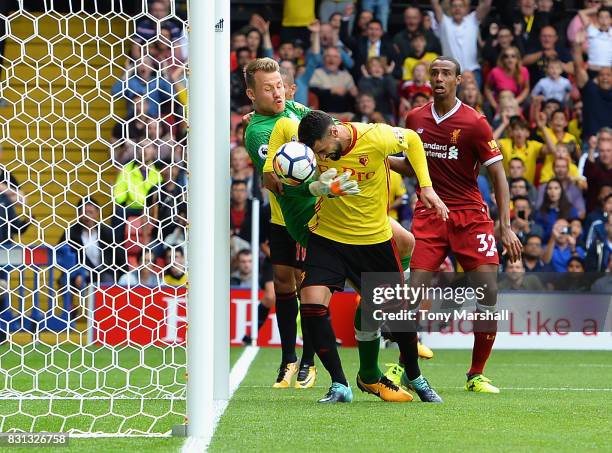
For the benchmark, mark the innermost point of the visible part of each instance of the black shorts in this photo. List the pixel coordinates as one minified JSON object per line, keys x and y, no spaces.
{"x":330,"y":263}
{"x":284,"y":250}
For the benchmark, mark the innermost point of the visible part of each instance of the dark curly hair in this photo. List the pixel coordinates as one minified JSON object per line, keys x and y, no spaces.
{"x":313,"y":127}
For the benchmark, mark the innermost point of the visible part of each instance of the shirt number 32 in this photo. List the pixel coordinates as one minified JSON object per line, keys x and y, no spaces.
{"x":487,"y":244}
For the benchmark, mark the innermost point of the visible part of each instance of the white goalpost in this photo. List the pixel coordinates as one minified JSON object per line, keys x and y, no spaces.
{"x":114,"y":166}
{"x":208,"y":346}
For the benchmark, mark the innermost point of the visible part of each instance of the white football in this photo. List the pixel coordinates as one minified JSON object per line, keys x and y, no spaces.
{"x":294,"y":163}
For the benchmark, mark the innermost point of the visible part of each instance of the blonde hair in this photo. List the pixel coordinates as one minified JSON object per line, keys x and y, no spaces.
{"x":267,"y":65}
{"x":507,"y":100}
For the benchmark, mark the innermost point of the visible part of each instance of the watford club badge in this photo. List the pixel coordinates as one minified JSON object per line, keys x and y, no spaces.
{"x":364,"y":159}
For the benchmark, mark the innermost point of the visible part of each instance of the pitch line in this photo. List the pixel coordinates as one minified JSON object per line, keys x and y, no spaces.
{"x":545,"y":389}
{"x":536,"y":365}
{"x":238,"y":373}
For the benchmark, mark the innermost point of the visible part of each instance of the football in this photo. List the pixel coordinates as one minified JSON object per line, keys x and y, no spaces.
{"x":294,"y":163}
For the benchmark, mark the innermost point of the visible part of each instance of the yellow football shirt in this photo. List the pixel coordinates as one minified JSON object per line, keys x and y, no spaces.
{"x":547,"y":172}
{"x":567,"y":138}
{"x":284,"y":130}
{"x":397,"y":189}
{"x":276,"y":215}
{"x":528,"y":154}
{"x":575,"y":129}
{"x":547,"y":169}
{"x":362,"y":219}
{"x":298,"y":13}
{"x":171,"y":280}
{"x":411,"y":62}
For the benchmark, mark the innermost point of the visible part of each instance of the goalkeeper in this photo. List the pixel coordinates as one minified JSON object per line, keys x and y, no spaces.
{"x":289,"y":222}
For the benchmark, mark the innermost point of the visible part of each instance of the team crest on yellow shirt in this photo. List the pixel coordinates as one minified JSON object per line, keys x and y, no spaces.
{"x":455,"y":136}
{"x":364,"y":159}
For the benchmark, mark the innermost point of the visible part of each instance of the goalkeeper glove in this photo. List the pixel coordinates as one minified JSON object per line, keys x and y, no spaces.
{"x":329,"y":184}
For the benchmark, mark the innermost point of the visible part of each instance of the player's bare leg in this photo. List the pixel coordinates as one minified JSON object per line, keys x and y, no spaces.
{"x":286,"y":315}
{"x":484,"y":276}
{"x":307,"y":373}
{"x":314,"y":310}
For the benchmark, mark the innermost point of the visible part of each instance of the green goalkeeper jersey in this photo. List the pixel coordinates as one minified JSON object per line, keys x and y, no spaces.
{"x":294,"y":212}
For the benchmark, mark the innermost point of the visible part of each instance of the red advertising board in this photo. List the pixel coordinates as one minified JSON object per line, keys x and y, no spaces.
{"x":146,"y":316}
{"x":158,"y":316}
{"x":140,"y":315}
{"x":342,"y":311}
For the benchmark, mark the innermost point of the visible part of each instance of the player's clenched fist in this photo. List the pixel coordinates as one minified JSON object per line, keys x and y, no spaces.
{"x":431,"y":200}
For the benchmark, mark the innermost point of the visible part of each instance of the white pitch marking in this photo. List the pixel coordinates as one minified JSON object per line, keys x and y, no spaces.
{"x":536,"y":365}
{"x":548,"y":389}
{"x":543,"y":389}
{"x":239,"y":371}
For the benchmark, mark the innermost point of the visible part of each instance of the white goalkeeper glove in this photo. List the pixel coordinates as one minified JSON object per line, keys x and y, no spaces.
{"x":329,"y":184}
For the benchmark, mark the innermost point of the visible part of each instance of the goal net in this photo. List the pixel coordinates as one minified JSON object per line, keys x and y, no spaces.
{"x":93,"y":217}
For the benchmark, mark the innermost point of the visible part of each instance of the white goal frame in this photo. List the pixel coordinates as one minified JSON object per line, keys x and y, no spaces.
{"x":208,"y":234}
{"x":208,"y":242}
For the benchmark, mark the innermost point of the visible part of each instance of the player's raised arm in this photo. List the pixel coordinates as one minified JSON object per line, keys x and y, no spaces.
{"x":409,"y":142}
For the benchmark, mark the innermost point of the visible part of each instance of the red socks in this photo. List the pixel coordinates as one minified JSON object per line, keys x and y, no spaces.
{"x":484,"y":337}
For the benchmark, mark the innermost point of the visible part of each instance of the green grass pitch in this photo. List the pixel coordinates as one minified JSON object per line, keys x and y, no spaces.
{"x":550,"y":401}
{"x":533,"y":412}
{"x":85,"y":368}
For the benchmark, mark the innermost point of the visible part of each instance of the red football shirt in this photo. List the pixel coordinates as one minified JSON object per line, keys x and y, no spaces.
{"x":456,"y":145}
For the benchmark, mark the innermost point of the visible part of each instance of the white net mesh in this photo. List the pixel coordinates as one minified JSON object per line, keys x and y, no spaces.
{"x":92,"y":218}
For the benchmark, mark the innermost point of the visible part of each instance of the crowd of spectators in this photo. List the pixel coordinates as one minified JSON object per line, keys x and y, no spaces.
{"x":539,"y":70}
{"x":144,"y":241}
